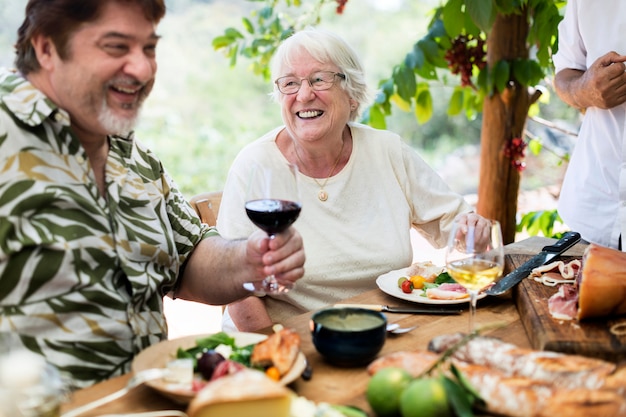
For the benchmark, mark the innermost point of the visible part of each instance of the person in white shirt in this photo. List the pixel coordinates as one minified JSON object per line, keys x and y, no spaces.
{"x":590,"y":76}
{"x":361,"y":189}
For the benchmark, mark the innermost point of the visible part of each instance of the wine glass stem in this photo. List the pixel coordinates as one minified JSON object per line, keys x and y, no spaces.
{"x":472,"y":314}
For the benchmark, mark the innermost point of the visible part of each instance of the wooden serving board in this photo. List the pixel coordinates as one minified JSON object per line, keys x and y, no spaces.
{"x":589,"y":338}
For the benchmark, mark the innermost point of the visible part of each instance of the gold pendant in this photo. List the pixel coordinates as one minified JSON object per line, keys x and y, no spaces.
{"x":322,"y":195}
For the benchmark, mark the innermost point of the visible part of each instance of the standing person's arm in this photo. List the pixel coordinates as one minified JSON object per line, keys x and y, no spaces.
{"x":217,"y":268}
{"x":602,"y":85}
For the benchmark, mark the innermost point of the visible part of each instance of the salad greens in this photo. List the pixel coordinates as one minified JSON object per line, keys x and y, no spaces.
{"x":239,"y":354}
{"x":443,"y":278}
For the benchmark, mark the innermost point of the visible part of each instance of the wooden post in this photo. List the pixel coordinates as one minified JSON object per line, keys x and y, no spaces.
{"x":504,"y":118}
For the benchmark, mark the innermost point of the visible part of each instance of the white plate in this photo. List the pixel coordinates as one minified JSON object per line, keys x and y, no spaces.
{"x":388,"y":283}
{"x":159,"y":354}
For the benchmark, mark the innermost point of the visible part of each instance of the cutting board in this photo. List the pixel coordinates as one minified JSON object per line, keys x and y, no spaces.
{"x":590,"y":337}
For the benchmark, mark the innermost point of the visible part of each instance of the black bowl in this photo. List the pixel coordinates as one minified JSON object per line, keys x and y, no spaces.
{"x":347,"y":336}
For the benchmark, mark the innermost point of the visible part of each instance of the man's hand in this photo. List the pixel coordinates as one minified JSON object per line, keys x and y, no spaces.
{"x":282,"y":256}
{"x":603,"y":85}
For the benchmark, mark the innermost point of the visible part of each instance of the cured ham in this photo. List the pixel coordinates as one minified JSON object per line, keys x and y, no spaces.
{"x":447,"y":291}
{"x":602,"y":284}
{"x":592,"y":287}
{"x":563,"y":305}
{"x":557,"y":272}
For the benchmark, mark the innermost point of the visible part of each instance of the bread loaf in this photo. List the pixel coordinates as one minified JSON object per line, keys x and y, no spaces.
{"x":510,"y":394}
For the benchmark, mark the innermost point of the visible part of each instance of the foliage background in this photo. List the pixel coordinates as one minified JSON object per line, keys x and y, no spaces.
{"x":202,"y":112}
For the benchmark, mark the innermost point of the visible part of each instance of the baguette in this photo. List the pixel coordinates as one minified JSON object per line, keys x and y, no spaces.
{"x":562,"y":370}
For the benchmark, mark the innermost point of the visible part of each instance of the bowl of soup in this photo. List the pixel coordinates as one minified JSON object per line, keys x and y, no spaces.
{"x":348,"y":336}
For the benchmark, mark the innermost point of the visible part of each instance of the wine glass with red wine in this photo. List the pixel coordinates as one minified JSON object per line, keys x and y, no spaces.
{"x":272,"y":204}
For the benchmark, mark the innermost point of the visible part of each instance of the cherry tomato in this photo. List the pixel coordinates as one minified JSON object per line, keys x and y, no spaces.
{"x":407,"y":287}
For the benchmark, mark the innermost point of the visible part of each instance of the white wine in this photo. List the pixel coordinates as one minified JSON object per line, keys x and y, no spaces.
{"x":474,"y":274}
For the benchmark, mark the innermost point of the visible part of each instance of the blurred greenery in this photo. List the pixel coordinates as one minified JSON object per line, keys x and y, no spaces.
{"x":202,"y":111}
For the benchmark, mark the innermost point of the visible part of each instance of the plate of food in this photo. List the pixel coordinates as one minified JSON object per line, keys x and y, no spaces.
{"x":424,"y":282}
{"x":220,"y":354}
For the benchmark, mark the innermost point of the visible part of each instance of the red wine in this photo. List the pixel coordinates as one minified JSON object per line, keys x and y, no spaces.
{"x":273,"y":216}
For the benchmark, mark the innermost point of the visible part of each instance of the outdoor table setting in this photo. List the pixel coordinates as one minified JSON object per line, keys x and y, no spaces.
{"x":498,"y":316}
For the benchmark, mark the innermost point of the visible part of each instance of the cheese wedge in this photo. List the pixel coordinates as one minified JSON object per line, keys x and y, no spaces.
{"x":247,"y":393}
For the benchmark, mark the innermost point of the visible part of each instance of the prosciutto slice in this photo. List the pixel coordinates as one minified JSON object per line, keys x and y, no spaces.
{"x":563,"y":305}
{"x":447,"y":291}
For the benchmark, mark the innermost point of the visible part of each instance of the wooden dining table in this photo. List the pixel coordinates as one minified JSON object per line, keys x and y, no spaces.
{"x":347,"y":386}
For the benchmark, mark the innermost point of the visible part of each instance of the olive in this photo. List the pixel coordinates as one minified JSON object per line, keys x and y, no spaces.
{"x":208,"y":362}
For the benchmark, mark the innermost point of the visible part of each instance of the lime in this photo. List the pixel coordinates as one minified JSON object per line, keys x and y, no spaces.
{"x":401,"y":280}
{"x":425,"y":397}
{"x":384,"y":390}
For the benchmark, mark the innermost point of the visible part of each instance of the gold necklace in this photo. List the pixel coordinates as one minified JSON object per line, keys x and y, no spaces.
{"x":322,"y":194}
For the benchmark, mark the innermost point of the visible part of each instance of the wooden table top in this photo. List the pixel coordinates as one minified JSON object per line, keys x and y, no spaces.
{"x":347,"y":386}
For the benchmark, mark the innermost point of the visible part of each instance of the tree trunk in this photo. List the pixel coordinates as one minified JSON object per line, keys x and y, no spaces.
{"x":504,"y":118}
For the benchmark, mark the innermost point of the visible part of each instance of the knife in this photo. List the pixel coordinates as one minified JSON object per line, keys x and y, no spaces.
{"x":547,"y":254}
{"x":406,"y":310}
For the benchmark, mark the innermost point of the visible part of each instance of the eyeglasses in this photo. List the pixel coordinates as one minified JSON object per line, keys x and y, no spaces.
{"x":319,"y":81}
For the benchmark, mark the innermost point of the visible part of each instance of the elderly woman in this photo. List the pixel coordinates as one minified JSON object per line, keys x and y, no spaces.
{"x":361,"y":189}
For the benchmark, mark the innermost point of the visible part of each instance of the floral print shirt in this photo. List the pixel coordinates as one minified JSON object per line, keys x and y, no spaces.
{"x":82,"y":276}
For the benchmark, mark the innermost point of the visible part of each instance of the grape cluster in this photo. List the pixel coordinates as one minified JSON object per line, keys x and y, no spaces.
{"x":465,"y":53}
{"x":341,"y":4}
{"x":515,"y":150}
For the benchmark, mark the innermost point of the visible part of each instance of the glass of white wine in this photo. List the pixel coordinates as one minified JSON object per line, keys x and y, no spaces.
{"x":475,"y":257}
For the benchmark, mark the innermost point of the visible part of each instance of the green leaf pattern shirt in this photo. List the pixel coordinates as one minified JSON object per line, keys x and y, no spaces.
{"x":81,"y":276}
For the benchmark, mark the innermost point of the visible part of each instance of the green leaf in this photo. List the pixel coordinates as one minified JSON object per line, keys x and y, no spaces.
{"x":453,"y":17}
{"x":400,"y":102}
{"x":411,"y":59}
{"x":482,"y":13}
{"x":349,"y":410}
{"x":233,"y":33}
{"x":535,"y":146}
{"x":423,"y":104}
{"x":457,"y":398}
{"x":266,"y":12}
{"x":404,"y":79}
{"x":427,"y":71}
{"x":430,"y":49}
{"x":466,"y":385}
{"x":247,"y":24}
{"x":444,"y":278}
{"x":222,"y":42}
{"x":376,"y":117}
{"x":501,"y":75}
{"x":387,"y":87}
{"x":456,"y":102}
{"x":527,"y":72}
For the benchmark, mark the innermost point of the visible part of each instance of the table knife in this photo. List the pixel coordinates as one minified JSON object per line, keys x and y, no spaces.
{"x":547,"y":254}
{"x":405,"y":310}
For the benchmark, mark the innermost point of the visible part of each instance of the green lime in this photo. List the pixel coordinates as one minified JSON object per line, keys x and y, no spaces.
{"x":425,"y":397}
{"x":384,"y":390}
{"x":401,"y":280}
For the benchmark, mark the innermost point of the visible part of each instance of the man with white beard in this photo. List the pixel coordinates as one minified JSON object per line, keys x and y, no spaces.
{"x":93,"y":231}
